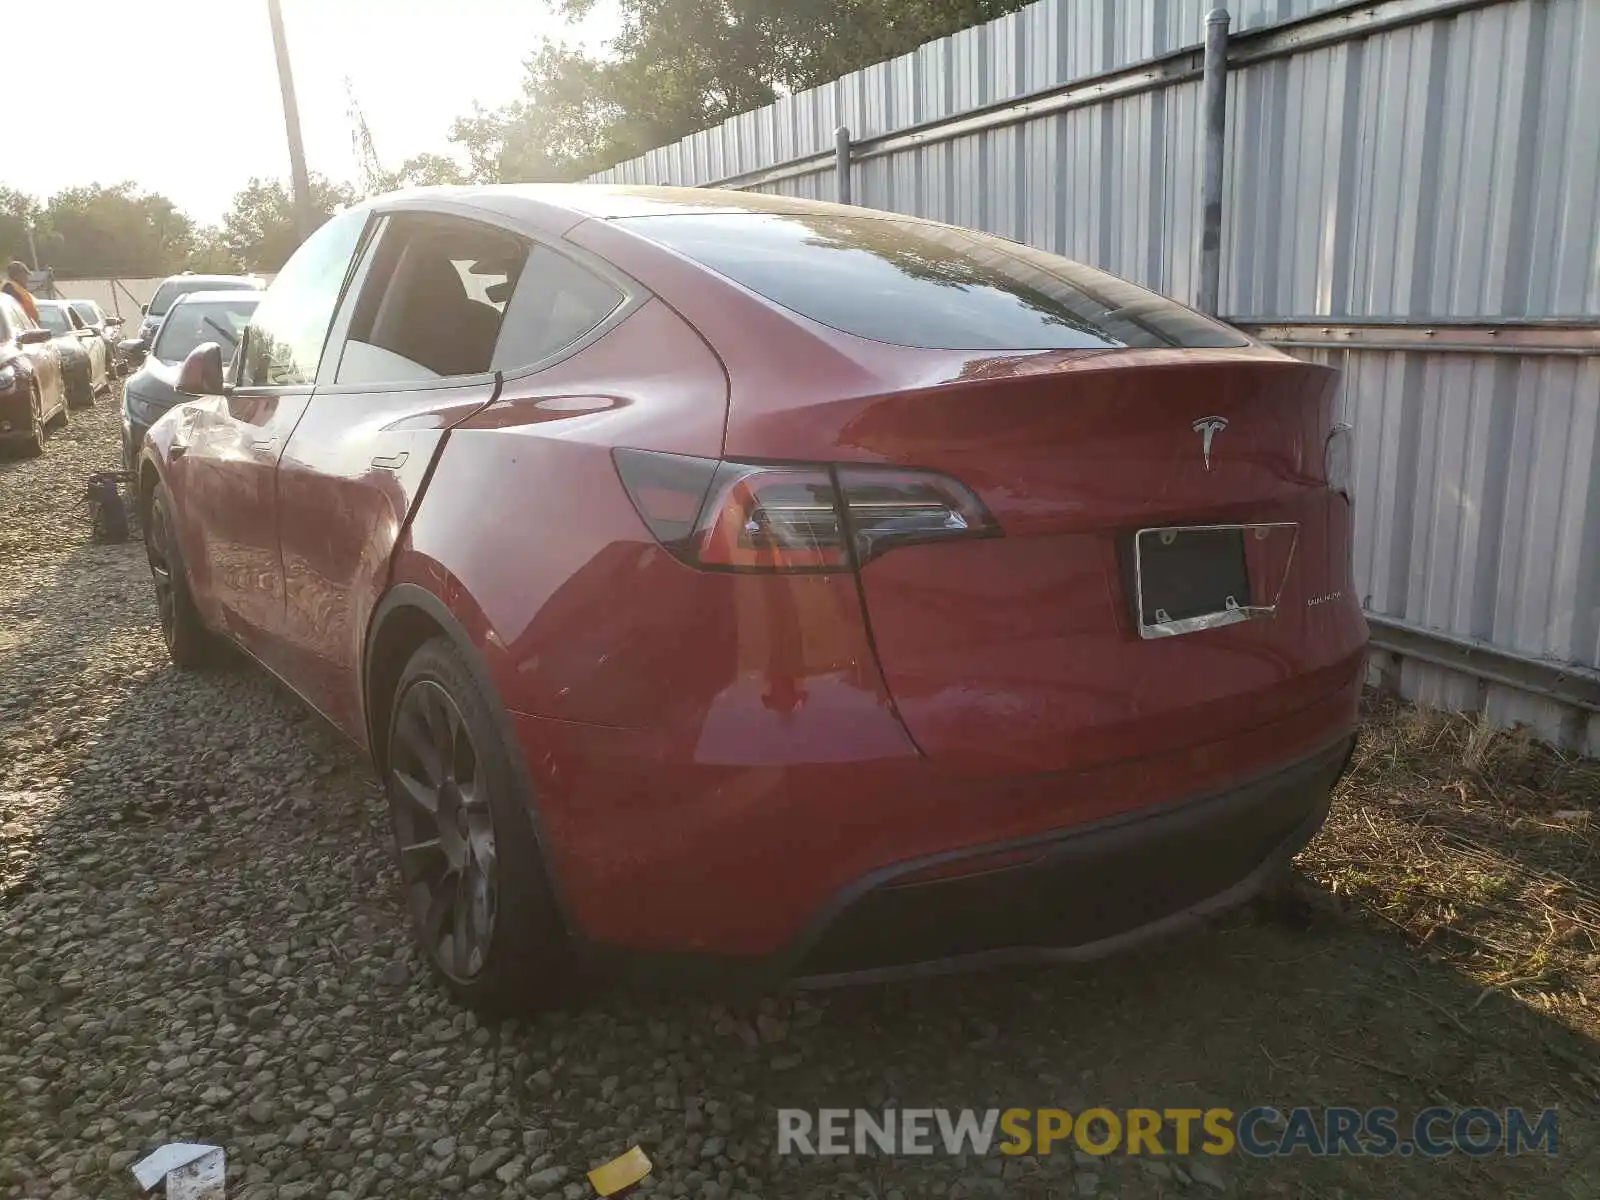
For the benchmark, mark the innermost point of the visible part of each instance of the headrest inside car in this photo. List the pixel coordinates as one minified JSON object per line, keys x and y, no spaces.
{"x":496,"y":266}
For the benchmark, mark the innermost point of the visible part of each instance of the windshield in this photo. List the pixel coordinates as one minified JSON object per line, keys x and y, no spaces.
{"x":168,"y":293}
{"x":54,"y":319}
{"x":190,"y":323}
{"x":915,"y":284}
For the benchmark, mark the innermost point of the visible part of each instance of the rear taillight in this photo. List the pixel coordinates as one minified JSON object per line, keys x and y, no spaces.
{"x":733,"y":516}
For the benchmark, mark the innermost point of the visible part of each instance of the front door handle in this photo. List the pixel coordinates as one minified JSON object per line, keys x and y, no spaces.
{"x":390,"y":462}
{"x":264,"y":444}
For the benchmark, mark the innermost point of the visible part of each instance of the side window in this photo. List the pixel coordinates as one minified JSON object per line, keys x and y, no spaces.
{"x":290,"y":326}
{"x":8,"y":326}
{"x":433,"y":301}
{"x":555,"y":303}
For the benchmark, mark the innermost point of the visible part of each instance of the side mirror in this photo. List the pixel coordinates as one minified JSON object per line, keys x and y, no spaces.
{"x":144,"y":310}
{"x":34,"y":337}
{"x":113,"y":321}
{"x":201,"y":373}
{"x":133,"y":350}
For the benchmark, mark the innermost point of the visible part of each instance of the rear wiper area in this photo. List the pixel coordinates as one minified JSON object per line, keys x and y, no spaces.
{"x":232,"y":340}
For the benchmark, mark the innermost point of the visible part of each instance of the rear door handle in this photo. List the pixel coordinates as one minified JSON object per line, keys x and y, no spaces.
{"x":264,"y":445}
{"x":390,"y":462}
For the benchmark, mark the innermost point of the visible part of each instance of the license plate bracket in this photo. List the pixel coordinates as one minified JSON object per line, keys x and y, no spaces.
{"x":1193,"y":577}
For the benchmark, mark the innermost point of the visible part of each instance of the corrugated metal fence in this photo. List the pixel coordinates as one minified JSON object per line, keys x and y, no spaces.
{"x":1411,"y":192}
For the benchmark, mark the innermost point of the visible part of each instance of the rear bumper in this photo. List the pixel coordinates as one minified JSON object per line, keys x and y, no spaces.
{"x":1090,"y":892}
{"x":827,"y":867}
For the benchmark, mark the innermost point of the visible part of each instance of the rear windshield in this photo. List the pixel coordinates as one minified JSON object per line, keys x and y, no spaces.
{"x":219,"y":321}
{"x":169,"y":291}
{"x":915,"y":284}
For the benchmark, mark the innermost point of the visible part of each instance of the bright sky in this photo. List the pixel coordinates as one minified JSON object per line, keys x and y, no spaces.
{"x":415,"y":66}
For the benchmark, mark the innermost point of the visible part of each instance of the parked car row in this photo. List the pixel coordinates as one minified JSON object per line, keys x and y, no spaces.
{"x":33,"y":376}
{"x":85,"y":355}
{"x":70,"y":356}
{"x":728,"y":581}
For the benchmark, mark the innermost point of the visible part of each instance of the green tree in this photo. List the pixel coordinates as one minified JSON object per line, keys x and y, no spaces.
{"x":564,"y":126}
{"x":209,"y":253}
{"x":428,"y":170}
{"x":259,"y":231}
{"x":679,"y":66}
{"x":18,"y":210}
{"x":98,"y":231}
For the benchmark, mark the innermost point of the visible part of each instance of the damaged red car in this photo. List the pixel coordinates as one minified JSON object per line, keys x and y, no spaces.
{"x":731,"y":581}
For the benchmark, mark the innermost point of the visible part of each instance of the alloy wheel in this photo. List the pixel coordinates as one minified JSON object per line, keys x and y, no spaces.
{"x":36,"y":418}
{"x":444,"y":829}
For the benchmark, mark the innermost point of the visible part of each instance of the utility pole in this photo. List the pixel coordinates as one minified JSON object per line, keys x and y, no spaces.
{"x":291,"y":124}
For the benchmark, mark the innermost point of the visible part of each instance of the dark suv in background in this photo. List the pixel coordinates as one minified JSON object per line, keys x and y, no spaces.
{"x":177,"y":285}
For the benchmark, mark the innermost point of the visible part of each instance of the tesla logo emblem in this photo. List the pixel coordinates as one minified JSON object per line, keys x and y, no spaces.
{"x":1208,"y":428}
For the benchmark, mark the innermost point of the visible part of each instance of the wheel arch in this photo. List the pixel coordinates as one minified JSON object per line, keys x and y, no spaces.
{"x":145,"y":481}
{"x":407,"y":616}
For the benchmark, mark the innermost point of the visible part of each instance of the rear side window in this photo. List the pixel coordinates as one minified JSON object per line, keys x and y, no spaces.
{"x":914,"y":284}
{"x":446,"y":297}
{"x":556,"y":303}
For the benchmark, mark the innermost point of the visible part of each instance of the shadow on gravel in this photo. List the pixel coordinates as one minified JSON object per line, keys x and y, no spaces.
{"x":204,"y":941}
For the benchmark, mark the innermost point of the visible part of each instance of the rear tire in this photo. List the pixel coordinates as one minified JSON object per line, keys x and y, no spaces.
{"x":80,"y":391}
{"x":34,"y":446}
{"x":189,"y":642}
{"x":481,"y":904}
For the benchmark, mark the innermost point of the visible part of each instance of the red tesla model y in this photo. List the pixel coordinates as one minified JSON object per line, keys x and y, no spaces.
{"x":731,"y":580}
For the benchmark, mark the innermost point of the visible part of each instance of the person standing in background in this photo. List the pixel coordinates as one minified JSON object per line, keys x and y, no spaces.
{"x":16,"y":286}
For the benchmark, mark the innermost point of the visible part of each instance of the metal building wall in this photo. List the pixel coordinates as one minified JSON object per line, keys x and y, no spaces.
{"x":1395,"y":164}
{"x":1048,"y":43}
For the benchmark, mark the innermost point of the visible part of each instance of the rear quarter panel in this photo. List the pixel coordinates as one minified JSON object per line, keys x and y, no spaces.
{"x":525,"y":532}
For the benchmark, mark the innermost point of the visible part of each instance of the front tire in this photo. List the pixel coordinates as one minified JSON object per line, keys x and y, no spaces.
{"x":188,"y":641}
{"x":480,"y":902}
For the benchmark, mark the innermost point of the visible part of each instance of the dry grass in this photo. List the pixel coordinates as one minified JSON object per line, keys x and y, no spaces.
{"x":1481,"y":845}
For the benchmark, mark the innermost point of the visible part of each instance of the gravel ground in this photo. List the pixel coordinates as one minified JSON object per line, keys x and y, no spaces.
{"x":201,"y":938}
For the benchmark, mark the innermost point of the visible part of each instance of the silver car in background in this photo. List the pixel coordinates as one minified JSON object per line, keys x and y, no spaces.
{"x":85,"y":360}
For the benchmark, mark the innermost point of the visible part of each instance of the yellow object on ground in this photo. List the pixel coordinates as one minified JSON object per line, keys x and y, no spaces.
{"x":621,"y":1172}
